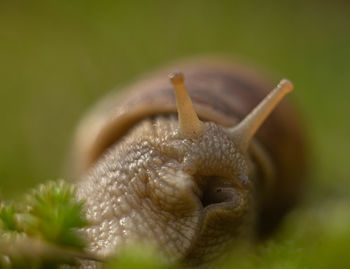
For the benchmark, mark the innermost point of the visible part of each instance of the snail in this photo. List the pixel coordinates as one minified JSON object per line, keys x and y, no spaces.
{"x":186,"y":164}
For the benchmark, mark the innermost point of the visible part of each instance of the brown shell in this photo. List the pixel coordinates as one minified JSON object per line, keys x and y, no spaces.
{"x":221,"y":92}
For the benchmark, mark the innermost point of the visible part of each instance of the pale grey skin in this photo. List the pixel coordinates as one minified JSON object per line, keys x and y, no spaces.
{"x":189,"y":197}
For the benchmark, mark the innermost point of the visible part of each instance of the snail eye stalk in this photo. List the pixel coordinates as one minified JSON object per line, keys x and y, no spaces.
{"x":246,"y":129}
{"x":188,"y":120}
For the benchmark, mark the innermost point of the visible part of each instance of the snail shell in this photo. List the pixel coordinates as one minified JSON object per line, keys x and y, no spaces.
{"x":113,"y":135}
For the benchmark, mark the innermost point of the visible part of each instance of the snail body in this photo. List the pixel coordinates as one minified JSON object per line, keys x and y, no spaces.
{"x":188,"y":175}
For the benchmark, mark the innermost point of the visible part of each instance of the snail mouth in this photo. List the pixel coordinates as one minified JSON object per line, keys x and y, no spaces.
{"x":215,"y":191}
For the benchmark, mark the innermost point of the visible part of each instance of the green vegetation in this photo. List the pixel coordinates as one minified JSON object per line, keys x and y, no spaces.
{"x":42,"y":229}
{"x":58,"y":57}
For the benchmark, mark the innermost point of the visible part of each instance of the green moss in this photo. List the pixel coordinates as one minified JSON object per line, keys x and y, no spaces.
{"x":8,"y":221}
{"x":56,"y":213}
{"x":41,"y":230}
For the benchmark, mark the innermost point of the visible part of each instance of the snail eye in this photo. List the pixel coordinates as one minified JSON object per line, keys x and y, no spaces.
{"x":216,"y":190}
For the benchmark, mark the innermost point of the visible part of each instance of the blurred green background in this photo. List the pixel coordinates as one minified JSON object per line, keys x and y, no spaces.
{"x":58,"y":57}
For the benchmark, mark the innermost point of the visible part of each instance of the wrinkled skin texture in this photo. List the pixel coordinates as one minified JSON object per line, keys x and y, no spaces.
{"x":190,"y":198}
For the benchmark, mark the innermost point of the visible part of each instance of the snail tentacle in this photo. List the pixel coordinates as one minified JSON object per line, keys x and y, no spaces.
{"x":188,"y":119}
{"x":246,"y":129}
